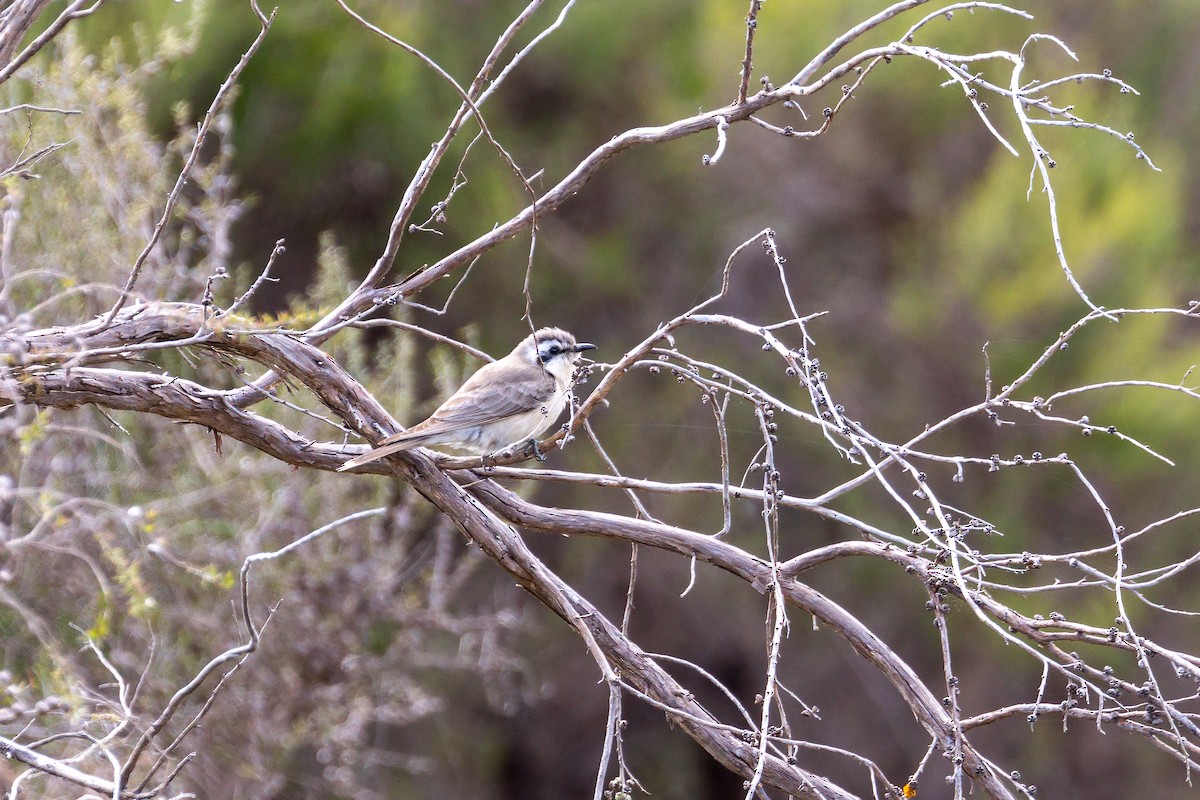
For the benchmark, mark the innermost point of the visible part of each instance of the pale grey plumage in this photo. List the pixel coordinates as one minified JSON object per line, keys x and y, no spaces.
{"x":507,"y":402}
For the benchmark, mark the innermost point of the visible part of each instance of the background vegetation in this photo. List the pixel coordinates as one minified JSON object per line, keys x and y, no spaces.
{"x":398,"y":660}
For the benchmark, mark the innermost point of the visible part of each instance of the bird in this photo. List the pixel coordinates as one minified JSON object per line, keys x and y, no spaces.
{"x":507,"y":402}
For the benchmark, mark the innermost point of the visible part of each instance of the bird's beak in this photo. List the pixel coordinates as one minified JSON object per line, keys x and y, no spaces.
{"x":579,"y":348}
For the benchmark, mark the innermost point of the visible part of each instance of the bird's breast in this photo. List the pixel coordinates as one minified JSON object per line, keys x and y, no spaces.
{"x":520,"y":428}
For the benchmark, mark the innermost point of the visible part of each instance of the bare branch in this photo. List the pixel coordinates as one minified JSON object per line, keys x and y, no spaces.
{"x":185,"y":173}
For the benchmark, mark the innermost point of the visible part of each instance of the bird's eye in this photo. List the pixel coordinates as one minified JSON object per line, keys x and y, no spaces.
{"x":555,"y":350}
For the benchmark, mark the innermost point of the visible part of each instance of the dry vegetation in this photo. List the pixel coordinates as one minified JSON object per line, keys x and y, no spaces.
{"x":119,"y":305}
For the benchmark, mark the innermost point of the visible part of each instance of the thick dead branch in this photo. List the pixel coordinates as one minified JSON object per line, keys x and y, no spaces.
{"x":15,"y":21}
{"x":42,"y":362}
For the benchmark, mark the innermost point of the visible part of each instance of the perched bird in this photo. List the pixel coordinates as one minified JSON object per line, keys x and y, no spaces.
{"x":510,"y":401}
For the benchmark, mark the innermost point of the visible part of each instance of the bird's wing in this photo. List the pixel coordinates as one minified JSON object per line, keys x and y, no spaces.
{"x":475,"y":405}
{"x":488,"y":396}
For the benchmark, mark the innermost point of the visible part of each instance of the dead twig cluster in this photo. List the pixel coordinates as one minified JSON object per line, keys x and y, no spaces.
{"x":953,"y":553}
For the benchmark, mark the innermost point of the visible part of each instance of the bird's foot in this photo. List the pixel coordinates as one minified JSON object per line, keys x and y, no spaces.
{"x":533,"y":448}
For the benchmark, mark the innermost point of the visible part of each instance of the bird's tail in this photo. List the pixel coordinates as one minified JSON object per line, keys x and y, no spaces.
{"x":393,"y":444}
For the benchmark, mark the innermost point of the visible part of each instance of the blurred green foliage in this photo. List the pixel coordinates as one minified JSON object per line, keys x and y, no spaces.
{"x":907,"y":221}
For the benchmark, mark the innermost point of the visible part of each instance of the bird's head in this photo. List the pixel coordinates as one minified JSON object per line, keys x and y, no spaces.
{"x":552,"y":349}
